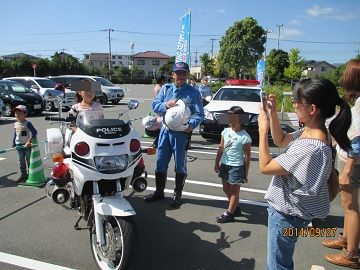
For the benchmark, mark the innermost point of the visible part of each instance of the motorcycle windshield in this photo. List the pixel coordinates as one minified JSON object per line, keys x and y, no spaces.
{"x":85,"y":117}
{"x":124,"y":116}
{"x":94,"y":124}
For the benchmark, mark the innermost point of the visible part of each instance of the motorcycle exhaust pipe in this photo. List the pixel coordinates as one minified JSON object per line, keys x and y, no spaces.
{"x":139,"y":184}
{"x":60,"y":195}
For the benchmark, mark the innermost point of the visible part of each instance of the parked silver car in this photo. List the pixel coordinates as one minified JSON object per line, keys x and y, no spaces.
{"x":109,"y":91}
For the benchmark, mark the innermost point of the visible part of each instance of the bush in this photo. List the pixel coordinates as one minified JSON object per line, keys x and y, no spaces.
{"x":278,"y":90}
{"x":216,"y":86}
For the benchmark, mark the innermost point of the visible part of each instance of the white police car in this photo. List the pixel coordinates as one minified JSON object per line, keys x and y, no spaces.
{"x":243,"y":93}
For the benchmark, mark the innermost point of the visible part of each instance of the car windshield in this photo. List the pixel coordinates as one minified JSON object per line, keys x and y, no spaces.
{"x":45,"y":83}
{"x":104,"y":82}
{"x":19,"y":88}
{"x":238,"y":94}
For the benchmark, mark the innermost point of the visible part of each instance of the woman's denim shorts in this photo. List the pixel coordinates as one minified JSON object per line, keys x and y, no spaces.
{"x":354,"y":174}
{"x":234,"y":175}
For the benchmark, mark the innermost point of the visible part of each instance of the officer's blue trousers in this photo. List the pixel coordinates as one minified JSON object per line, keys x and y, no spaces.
{"x":171,"y":142}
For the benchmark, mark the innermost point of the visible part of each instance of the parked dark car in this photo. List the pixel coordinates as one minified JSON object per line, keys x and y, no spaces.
{"x":14,"y":94}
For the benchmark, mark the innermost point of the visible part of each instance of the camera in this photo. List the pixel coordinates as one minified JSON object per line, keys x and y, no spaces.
{"x":264,"y":99}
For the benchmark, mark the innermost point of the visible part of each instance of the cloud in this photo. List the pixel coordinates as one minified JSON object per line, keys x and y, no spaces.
{"x":285,"y":33}
{"x":295,"y":22}
{"x":290,"y":33}
{"x":332,"y":13}
{"x":212,"y":13}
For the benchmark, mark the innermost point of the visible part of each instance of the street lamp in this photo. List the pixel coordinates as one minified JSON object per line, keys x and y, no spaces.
{"x":279,"y":26}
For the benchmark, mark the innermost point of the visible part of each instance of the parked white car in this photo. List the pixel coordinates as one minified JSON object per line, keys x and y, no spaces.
{"x":243,"y":93}
{"x":110,"y":92}
{"x":45,"y":87}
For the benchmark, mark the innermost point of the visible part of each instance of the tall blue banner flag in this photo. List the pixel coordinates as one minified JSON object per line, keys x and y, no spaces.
{"x":260,"y":72}
{"x":183,"y":47}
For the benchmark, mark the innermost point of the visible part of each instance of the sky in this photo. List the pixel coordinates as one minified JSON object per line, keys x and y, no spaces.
{"x":323,"y":30}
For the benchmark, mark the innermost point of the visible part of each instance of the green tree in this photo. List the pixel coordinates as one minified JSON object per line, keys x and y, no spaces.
{"x":294,"y":70}
{"x":166,"y":68}
{"x":5,"y":68}
{"x":43,"y":68}
{"x":335,"y":74}
{"x":276,"y":62}
{"x":137,"y":74}
{"x":22,"y":67}
{"x":122,"y":74}
{"x":208,"y":64}
{"x":241,"y":46}
{"x":63,"y":63}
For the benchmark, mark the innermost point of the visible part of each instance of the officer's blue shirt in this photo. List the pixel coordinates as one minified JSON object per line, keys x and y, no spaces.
{"x":204,"y":91}
{"x":188,"y":94}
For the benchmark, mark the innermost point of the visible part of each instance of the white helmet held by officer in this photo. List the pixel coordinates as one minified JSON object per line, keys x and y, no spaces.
{"x":177,"y":117}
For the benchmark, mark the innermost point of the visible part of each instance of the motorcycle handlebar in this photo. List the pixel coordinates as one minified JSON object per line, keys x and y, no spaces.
{"x":55,"y":119}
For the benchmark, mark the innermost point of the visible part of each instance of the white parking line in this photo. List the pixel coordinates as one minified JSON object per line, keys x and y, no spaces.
{"x":194,"y":182}
{"x":211,"y":197}
{"x":2,"y":158}
{"x":210,"y":148}
{"x":29,"y":263}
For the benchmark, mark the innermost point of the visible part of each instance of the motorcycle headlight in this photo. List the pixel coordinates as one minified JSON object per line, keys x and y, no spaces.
{"x":208,"y":114}
{"x":111,"y":164}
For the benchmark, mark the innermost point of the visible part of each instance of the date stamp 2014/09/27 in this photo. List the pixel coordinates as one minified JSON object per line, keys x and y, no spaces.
{"x":310,"y":232}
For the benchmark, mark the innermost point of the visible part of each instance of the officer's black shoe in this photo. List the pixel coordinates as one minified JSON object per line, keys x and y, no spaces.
{"x":176,"y":201}
{"x":160,"y":181}
{"x":179,"y":184}
{"x":157,"y":196}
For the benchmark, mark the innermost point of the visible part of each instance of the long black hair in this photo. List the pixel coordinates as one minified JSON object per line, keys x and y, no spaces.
{"x":324,"y":95}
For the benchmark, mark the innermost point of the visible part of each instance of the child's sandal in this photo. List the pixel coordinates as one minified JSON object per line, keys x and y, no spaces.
{"x":225,"y":218}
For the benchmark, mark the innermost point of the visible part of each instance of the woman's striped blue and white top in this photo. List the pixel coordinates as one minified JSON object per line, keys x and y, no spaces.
{"x":304,"y":192}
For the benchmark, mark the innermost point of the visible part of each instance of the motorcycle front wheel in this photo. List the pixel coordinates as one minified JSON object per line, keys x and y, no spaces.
{"x":121,"y":244}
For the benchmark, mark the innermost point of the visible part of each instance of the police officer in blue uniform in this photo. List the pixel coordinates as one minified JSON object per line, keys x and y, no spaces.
{"x":174,"y":142}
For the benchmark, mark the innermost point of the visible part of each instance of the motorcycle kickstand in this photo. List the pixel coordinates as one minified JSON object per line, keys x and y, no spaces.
{"x":76,"y":226}
{"x":131,"y":194}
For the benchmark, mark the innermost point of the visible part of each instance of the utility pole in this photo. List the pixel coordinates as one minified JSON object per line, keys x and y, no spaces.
{"x":110,"y":57}
{"x":279,"y":26}
{"x":212,"y":46}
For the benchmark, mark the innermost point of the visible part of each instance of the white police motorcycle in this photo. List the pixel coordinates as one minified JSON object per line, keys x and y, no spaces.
{"x":94,"y":163}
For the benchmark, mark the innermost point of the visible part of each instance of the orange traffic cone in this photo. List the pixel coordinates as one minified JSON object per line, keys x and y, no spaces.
{"x":36,"y":168}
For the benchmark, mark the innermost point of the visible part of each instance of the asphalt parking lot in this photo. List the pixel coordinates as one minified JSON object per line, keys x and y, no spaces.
{"x":33,"y":227}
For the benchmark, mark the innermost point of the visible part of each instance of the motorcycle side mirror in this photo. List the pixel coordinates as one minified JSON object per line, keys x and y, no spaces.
{"x":133,"y":104}
{"x":50,"y":96}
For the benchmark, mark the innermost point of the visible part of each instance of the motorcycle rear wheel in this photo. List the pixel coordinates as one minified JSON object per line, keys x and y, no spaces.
{"x":121,"y":244}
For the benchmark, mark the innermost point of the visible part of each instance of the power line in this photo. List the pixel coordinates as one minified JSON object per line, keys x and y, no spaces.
{"x":176,"y":35}
{"x":319,"y":42}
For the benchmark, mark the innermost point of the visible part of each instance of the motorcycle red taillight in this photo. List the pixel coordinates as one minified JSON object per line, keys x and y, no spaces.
{"x":59,"y":170}
{"x":134,"y":145}
{"x":82,"y":148}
